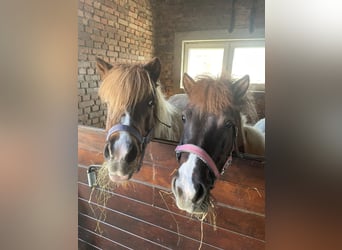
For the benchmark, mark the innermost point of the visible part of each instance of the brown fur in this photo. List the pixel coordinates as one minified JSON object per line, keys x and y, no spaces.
{"x":120,"y":87}
{"x":212,"y":95}
{"x":215,"y":95}
{"x":125,"y":85}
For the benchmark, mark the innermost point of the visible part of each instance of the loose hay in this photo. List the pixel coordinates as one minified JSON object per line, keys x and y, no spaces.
{"x":103,"y":191}
{"x":208,"y":216}
{"x":161,"y":192}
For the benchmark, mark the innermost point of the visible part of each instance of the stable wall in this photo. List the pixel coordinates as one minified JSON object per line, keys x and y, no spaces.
{"x":172,"y":16}
{"x":143,"y":214}
{"x":135,"y":31}
{"x":116,"y":31}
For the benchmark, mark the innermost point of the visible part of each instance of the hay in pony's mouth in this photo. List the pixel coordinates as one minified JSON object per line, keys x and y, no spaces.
{"x":206,"y":211}
{"x":102,"y":191}
{"x":118,"y":179}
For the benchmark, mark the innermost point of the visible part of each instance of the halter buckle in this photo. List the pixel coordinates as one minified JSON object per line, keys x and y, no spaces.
{"x":227,"y":164}
{"x":142,"y":140}
{"x":178,"y":155}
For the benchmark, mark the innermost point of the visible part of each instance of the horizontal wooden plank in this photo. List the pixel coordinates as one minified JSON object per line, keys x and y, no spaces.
{"x":90,"y":240}
{"x":234,"y":195}
{"x":226,"y":193}
{"x":161,"y":154}
{"x":229,"y":218}
{"x":239,"y":173}
{"x":221,"y":238}
{"x":147,"y":204}
{"x":133,"y":190}
{"x":244,"y":172}
{"x":83,"y":245}
{"x":139,"y":229}
{"x":92,"y":139}
{"x":86,"y":157}
{"x":163,"y":210}
{"x":116,"y":234}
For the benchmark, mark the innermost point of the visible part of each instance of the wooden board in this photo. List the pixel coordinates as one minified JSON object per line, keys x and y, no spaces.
{"x":143,"y":215}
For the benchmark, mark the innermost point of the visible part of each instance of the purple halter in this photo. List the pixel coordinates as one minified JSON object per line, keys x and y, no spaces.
{"x":141,"y":139}
{"x":120,"y":127}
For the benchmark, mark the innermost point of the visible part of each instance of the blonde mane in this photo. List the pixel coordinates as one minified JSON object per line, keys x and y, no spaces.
{"x":253,"y":139}
{"x":125,"y":86}
{"x":171,"y":116}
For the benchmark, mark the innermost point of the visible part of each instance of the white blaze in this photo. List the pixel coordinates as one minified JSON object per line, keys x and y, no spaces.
{"x":184,"y":180}
{"x":124,"y":139}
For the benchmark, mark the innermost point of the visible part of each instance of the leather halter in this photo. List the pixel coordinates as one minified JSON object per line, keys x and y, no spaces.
{"x":143,"y":140}
{"x":121,"y":127}
{"x":204,"y":156}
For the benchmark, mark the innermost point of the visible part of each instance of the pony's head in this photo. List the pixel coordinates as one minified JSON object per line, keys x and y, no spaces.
{"x":211,"y":127}
{"x":129,"y":90}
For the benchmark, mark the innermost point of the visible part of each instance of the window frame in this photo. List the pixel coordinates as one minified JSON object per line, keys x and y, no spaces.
{"x":186,"y":45}
{"x":238,"y":38}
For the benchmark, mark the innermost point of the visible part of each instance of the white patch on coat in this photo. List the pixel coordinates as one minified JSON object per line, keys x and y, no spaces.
{"x":184,"y":180}
{"x":121,"y":145}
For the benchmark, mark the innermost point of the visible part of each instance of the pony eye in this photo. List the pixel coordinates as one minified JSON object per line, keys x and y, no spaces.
{"x":228,"y":124}
{"x":151,"y":103}
{"x":183,"y":118}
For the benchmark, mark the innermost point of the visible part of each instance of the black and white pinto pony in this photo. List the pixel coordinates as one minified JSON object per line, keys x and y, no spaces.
{"x":214,"y":127}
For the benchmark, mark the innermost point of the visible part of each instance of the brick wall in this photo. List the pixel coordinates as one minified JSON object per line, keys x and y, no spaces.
{"x":114,"y":30}
{"x":133,"y":31}
{"x":173,"y":16}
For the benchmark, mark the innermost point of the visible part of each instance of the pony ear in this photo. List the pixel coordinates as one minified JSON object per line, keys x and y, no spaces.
{"x":153,"y":67}
{"x":188,"y":83}
{"x":103,"y":66}
{"x":240,"y":86}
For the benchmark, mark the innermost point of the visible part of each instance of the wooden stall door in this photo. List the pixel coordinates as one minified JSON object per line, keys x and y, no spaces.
{"x":143,"y":215}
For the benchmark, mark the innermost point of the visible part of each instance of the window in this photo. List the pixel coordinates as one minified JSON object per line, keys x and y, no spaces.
{"x":235,"y":57}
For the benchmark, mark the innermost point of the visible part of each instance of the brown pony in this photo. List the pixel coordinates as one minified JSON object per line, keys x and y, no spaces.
{"x":136,"y":113}
{"x":213,"y":129}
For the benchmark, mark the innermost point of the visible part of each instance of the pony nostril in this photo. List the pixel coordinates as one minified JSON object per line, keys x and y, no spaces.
{"x":200,"y":194}
{"x":179,"y":191}
{"x":106,"y":152}
{"x":132,"y":154}
{"x":176,"y":190}
{"x":173,"y":183}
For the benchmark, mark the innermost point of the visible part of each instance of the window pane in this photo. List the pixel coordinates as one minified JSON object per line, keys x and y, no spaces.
{"x":249,"y":61}
{"x":205,"y":61}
